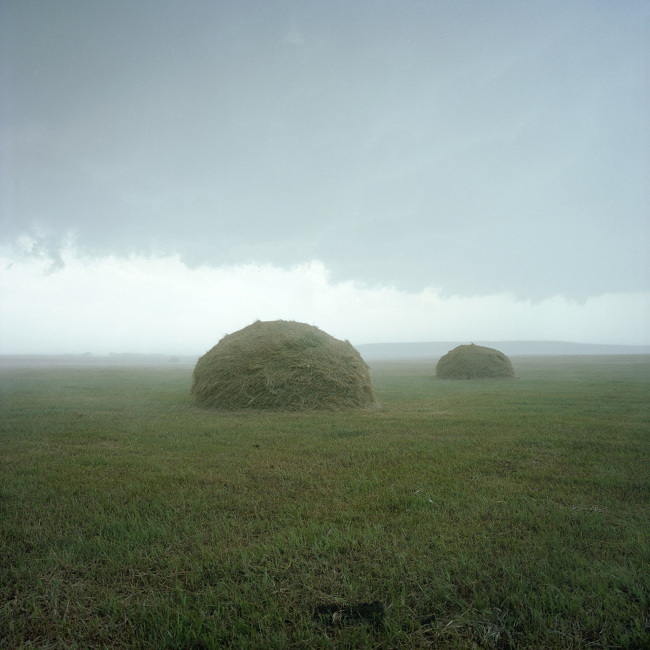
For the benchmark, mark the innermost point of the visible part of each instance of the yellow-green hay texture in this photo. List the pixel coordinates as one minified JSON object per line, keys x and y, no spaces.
{"x":474,"y":362}
{"x":282,"y":366}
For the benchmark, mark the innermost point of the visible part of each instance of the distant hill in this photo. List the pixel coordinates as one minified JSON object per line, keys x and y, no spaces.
{"x":91,"y":360}
{"x":369,"y":351}
{"x":377,"y":351}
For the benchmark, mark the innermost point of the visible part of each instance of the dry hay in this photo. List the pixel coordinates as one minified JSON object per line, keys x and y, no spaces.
{"x":474,"y":362}
{"x":282,"y":366}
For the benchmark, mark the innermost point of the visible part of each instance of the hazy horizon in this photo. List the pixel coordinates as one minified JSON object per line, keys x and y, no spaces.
{"x":413,"y":171}
{"x":421,"y":351}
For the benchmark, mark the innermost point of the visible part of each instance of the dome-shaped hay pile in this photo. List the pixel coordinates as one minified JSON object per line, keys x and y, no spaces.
{"x":282,"y":366}
{"x":474,"y":362}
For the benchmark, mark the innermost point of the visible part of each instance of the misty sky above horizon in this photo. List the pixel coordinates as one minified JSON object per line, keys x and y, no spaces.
{"x":388,"y":171}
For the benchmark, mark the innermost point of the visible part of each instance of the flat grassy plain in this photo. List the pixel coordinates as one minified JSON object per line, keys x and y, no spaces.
{"x":496,"y":514}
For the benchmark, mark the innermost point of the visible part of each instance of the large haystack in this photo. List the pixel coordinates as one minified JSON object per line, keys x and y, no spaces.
{"x":282,"y":366}
{"x":474,"y":362}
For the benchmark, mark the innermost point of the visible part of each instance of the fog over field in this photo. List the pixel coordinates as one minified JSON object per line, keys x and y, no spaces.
{"x":390,"y":172}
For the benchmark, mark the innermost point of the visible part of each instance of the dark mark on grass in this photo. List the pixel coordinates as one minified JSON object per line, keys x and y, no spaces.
{"x":359,"y":614}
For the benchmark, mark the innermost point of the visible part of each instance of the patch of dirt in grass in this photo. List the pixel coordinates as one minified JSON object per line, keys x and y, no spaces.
{"x":339,"y":615}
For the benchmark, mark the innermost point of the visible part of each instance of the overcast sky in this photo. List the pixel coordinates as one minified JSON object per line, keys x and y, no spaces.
{"x":388,"y":171}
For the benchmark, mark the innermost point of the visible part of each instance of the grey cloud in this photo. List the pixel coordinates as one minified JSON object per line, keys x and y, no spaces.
{"x":472,"y":147}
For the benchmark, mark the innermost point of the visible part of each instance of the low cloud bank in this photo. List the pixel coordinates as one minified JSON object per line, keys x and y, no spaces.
{"x":158,"y":305}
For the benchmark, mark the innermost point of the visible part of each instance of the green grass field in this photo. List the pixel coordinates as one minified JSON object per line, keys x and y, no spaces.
{"x":497,"y":514}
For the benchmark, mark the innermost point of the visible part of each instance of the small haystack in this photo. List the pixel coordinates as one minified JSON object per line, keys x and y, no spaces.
{"x":474,"y":362}
{"x":282,"y":366}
